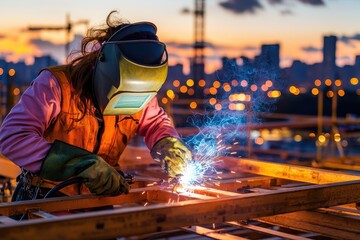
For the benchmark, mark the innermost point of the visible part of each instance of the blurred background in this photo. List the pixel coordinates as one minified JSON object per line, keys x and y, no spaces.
{"x":279,"y":79}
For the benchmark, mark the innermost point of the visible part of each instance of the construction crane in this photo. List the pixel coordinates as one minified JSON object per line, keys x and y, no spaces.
{"x":68,"y":27}
{"x":198,"y":64}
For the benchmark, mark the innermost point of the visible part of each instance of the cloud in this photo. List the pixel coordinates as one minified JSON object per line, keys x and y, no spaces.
{"x":185,"y":11}
{"x":212,"y":46}
{"x":286,"y":12}
{"x":344,"y":58}
{"x":174,"y":55}
{"x":252,"y":6}
{"x":180,"y":45}
{"x":311,"y":49}
{"x":4,"y":55}
{"x":2,"y":36}
{"x":250,"y":48}
{"x":276,"y":2}
{"x":241,"y":6}
{"x":347,"y":39}
{"x":57,"y":51}
{"x":191,"y":45}
{"x":313,"y":2}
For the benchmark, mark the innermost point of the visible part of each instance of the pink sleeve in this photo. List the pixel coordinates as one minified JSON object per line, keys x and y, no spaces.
{"x":22,"y":131}
{"x":155,"y":124}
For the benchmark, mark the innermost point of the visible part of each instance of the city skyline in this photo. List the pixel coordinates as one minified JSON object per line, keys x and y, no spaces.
{"x":297,"y":25}
{"x":260,"y":75}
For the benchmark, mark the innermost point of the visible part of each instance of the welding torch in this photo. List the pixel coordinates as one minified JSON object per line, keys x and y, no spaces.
{"x":176,"y":182}
{"x":128,"y":177}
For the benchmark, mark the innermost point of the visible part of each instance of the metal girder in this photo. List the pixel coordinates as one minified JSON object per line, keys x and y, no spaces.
{"x":286,"y":171}
{"x":319,"y":221}
{"x":150,"y":210}
{"x":154,"y":218}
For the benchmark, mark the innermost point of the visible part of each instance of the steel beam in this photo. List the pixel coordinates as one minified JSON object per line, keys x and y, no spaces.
{"x":286,"y":171}
{"x":161,"y":217}
{"x":319,"y":221}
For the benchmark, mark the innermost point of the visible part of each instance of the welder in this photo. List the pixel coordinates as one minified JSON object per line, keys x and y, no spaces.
{"x":75,"y":120}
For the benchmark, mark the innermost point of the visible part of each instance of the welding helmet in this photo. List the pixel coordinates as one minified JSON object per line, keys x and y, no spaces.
{"x":129,"y":70}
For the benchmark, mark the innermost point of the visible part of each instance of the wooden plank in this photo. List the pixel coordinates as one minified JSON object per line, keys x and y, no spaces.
{"x":345,"y":209}
{"x":5,"y":220}
{"x":334,"y":210}
{"x":332,"y":163}
{"x":154,"y":218}
{"x":212,"y":233}
{"x":293,"y":172}
{"x":212,"y":192}
{"x":71,"y":203}
{"x":40,"y":214}
{"x":322,"y":222}
{"x":247,"y":226}
{"x":268,"y":231}
{"x":239,"y":184}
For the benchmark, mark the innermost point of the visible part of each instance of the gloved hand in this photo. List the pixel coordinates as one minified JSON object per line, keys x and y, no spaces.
{"x":172,"y":154}
{"x":65,"y":161}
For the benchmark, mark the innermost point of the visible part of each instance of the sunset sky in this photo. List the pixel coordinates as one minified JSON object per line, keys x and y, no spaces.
{"x":232,"y":27}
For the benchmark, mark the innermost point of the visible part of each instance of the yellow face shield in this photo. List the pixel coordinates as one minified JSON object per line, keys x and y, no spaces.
{"x":138,"y":85}
{"x":128,"y":74}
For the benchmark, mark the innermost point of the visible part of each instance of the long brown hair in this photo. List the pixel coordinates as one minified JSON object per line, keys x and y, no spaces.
{"x":83,"y":63}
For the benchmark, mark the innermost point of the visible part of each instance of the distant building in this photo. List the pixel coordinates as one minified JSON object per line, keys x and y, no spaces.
{"x":16,"y":77}
{"x":269,"y":57}
{"x":42,"y":62}
{"x":329,"y":57}
{"x":175,"y":72}
{"x":357,"y":66}
{"x":297,"y":73}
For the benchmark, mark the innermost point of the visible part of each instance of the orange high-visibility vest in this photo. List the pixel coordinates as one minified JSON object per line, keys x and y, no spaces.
{"x":76,"y":128}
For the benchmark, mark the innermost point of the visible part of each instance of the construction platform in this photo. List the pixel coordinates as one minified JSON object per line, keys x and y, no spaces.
{"x":249,"y":200}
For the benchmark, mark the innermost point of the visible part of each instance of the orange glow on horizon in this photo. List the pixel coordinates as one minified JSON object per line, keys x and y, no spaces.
{"x":19,"y":48}
{"x":23,"y":49}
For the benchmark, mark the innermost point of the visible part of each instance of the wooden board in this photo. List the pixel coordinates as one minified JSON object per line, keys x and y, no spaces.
{"x":240,"y":206}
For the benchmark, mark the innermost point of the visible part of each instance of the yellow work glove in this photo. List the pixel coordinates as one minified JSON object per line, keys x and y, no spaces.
{"x":65,"y":161}
{"x":172,"y":154}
